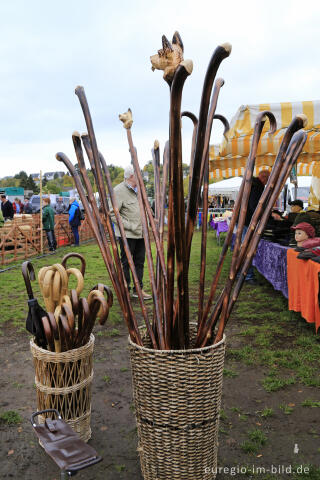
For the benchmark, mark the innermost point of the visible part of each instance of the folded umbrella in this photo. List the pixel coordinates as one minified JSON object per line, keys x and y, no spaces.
{"x":36,"y":312}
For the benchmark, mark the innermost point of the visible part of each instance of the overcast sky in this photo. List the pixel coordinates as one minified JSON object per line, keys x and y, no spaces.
{"x":48,"y":48}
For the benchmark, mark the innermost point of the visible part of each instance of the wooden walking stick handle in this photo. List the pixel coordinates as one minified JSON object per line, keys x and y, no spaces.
{"x":220,"y":53}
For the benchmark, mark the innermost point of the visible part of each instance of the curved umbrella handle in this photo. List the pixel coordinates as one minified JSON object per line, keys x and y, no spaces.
{"x":29,"y":275}
{"x":76,"y":255}
{"x":104,"y":289}
{"x":79,"y":277}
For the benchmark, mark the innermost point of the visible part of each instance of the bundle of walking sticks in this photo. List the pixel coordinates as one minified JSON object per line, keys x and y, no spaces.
{"x":169,"y":326}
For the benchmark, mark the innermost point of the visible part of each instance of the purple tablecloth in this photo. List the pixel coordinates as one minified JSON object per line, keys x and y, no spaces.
{"x":220,"y":227}
{"x":271,"y":261}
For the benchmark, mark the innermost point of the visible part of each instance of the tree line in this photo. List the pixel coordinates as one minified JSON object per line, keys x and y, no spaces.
{"x":65,"y":183}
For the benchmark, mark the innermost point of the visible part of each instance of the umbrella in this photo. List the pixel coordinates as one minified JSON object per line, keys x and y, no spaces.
{"x":36,"y":312}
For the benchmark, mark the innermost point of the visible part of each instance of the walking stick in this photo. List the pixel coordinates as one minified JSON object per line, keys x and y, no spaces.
{"x":86,"y":142}
{"x":295,"y":147}
{"x":238,"y":205}
{"x":145,"y":231}
{"x":181,"y":74}
{"x":133,"y":329}
{"x":220,"y":53}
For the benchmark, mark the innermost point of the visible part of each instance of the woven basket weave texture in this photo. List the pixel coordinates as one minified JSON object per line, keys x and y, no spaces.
{"x":177,"y":396}
{"x":63,"y":381}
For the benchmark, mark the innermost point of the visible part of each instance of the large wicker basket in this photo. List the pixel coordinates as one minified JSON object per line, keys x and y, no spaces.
{"x":63,"y":381}
{"x":177,"y":397}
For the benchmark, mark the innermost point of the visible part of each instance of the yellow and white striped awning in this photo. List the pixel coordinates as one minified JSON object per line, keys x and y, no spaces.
{"x":229,"y":159}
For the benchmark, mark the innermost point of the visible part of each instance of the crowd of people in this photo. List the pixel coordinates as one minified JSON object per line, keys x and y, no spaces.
{"x":10,"y":209}
{"x":282,"y":227}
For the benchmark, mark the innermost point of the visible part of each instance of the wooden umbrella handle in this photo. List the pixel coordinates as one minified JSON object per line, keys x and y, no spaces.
{"x":75,"y":255}
{"x":79,"y":277}
{"x":105,"y":289}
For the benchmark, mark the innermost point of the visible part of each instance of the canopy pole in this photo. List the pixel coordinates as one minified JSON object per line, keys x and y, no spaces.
{"x":41,"y":235}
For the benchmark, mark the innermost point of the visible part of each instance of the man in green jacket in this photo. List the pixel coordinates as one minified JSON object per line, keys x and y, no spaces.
{"x":48,"y":224}
{"x":127,"y":201}
{"x":1,"y":219}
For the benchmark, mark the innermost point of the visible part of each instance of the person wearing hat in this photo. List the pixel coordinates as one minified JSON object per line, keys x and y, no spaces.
{"x":128,"y":205}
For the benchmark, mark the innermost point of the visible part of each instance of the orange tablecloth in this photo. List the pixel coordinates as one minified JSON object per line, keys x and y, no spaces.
{"x":303,"y":287}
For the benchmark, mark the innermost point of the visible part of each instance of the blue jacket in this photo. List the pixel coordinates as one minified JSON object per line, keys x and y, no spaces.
{"x":74,"y":218}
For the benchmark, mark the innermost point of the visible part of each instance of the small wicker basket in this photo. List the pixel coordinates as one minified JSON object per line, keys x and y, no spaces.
{"x":177,"y":397}
{"x":63,"y":381}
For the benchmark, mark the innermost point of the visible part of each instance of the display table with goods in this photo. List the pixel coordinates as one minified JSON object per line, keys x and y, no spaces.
{"x":271,"y":261}
{"x":303,"y":287}
{"x":177,"y":359}
{"x":62,"y":346}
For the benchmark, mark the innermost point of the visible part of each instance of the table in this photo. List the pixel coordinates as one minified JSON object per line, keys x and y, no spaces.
{"x":220,"y":227}
{"x":271,"y":261}
{"x":303,"y":287}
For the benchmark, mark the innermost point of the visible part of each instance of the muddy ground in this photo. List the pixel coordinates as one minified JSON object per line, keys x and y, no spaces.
{"x":113,"y":424}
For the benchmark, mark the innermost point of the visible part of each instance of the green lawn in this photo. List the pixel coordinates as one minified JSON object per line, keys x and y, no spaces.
{"x":274,"y":337}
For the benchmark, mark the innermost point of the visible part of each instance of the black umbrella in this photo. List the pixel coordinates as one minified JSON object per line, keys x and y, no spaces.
{"x":36,"y":312}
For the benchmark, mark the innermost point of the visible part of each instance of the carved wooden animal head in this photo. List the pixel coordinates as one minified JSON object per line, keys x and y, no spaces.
{"x":127,"y":119}
{"x":169,"y":57}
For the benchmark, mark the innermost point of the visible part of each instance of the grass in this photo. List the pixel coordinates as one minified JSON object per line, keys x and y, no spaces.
{"x":306,"y":472}
{"x":256,"y":439}
{"x":235,"y":409}
{"x":257,"y":436}
{"x":120,"y":468}
{"x":223,"y":415}
{"x":268,"y":337}
{"x":229,"y":373}
{"x":287,"y":409}
{"x":10,"y":417}
{"x":273,"y":384}
{"x":267,"y":412}
{"x":243,"y":417}
{"x":310,"y":403}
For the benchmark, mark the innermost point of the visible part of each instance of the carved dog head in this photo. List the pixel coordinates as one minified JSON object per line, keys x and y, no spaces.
{"x":169,"y":57}
{"x":126,"y":118}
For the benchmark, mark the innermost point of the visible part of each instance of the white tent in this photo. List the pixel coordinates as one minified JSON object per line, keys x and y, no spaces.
{"x":228,"y":188}
{"x":231,"y":186}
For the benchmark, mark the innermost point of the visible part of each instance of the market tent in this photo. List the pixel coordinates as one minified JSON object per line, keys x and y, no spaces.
{"x":229,"y":159}
{"x":228,"y":188}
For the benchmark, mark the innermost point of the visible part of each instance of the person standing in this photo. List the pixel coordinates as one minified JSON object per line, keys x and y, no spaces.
{"x":127,"y":202}
{"x":257,"y":187}
{"x":74,"y":219}
{"x":7,"y":208}
{"x":59,"y":208}
{"x":48,"y":224}
{"x":16,"y":206}
{"x":27,"y":206}
{"x":21,"y":206}
{"x":1,"y":219}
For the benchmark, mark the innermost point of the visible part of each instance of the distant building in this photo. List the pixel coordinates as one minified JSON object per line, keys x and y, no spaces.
{"x":145,"y":176}
{"x":50,"y":175}
{"x":6,"y":178}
